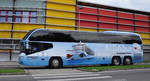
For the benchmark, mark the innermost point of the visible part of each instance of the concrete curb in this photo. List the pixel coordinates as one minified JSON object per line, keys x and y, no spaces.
{"x":94,"y":70}
{"x":12,"y":65}
{"x":24,"y":73}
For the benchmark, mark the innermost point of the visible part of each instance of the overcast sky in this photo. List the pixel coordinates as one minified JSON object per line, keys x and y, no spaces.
{"x":142,"y":5}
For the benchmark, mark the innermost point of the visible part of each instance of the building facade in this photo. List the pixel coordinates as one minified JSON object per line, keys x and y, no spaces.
{"x":17,"y":17}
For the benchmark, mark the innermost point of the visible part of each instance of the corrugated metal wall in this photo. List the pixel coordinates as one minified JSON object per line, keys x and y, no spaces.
{"x":98,"y":19}
{"x":67,"y":15}
{"x":60,"y":14}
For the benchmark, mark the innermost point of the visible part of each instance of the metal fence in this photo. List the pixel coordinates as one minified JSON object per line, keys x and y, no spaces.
{"x":9,"y":52}
{"x":146,"y":49}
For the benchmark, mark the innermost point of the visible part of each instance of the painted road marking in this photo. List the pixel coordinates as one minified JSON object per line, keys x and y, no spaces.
{"x":7,"y":76}
{"x":115,"y":71}
{"x":68,"y":76}
{"x":62,"y":74}
{"x":76,"y":79}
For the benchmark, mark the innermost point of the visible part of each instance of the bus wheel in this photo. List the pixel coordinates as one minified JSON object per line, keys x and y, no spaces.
{"x":127,"y":61}
{"x":55,"y":63}
{"x":116,"y":61}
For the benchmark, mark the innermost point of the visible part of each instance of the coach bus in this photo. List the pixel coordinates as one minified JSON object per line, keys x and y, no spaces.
{"x":60,"y":48}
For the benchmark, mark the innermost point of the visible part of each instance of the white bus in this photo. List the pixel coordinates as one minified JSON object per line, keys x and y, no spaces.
{"x":57,"y":48}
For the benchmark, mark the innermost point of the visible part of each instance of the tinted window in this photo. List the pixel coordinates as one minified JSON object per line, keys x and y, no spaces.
{"x":85,"y":37}
{"x":37,"y":47}
{"x":133,"y":39}
{"x":51,"y":36}
{"x":69,"y":36}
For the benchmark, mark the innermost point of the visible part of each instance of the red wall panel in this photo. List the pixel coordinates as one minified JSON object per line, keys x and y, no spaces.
{"x":125,"y":15}
{"x":142,"y":23}
{"x":125,"y":21}
{"x":107,"y":19}
{"x":141,"y":17}
{"x":107,"y":26}
{"x":107,"y":12}
{"x":87,"y":24}
{"x":111,"y":19}
{"x":87,"y":10}
{"x":142,"y":29}
{"x":124,"y":27}
{"x":87,"y":17}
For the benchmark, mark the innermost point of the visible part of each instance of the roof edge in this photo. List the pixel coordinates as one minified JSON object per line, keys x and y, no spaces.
{"x":112,"y":7}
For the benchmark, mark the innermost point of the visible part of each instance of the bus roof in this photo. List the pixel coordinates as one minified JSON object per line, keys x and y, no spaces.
{"x":105,"y":32}
{"x":120,"y":32}
{"x":84,"y":36}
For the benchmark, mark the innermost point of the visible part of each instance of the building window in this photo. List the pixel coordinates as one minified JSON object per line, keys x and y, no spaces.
{"x":21,"y":17}
{"x":6,"y":16}
{"x":26,"y":17}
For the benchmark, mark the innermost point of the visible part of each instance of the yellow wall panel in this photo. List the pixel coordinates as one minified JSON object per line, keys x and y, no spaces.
{"x":144,"y":35}
{"x":27,"y":27}
{"x":19,"y":35}
{"x":87,"y":29}
{"x":5,"y":26}
{"x":60,"y":21}
{"x":5,"y":34}
{"x":60,"y":14}
{"x":64,"y":1}
{"x":146,"y":41}
{"x":60,"y":28}
{"x":60,"y":6}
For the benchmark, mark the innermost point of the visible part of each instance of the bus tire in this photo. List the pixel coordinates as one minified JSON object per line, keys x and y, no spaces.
{"x":55,"y":63}
{"x":116,"y":61}
{"x":128,"y":61}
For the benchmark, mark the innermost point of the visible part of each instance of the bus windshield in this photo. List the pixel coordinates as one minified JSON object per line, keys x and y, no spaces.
{"x":33,"y":47}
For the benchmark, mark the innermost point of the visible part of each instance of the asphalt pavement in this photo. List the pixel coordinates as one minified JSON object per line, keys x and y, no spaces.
{"x":72,"y":74}
{"x":68,"y":74}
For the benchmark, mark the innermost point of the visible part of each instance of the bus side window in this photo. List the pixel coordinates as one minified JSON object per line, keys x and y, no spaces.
{"x":37,"y":47}
{"x":128,"y":41}
{"x":45,"y":46}
{"x":132,"y":41}
{"x":48,"y":46}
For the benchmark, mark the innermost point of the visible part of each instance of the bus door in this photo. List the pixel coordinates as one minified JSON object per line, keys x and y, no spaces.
{"x":37,"y":51}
